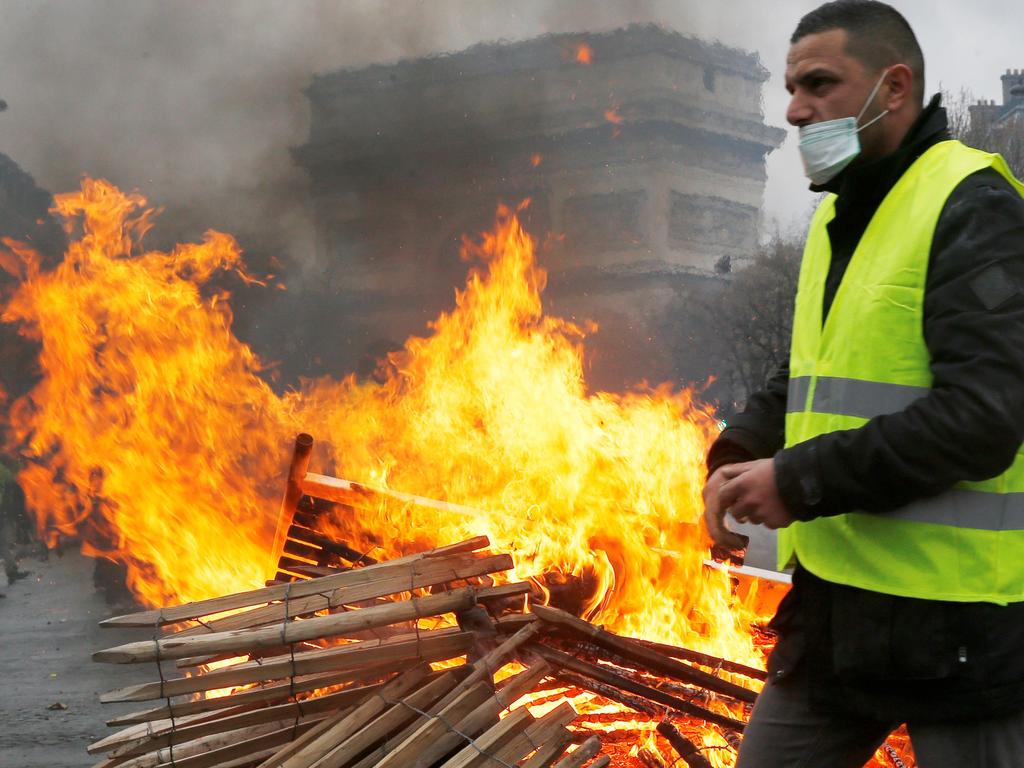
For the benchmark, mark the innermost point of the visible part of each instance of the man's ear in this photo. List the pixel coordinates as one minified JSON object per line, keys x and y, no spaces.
{"x":900,"y":82}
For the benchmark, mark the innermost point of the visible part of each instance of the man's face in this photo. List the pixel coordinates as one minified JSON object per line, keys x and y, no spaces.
{"x":826,"y":83}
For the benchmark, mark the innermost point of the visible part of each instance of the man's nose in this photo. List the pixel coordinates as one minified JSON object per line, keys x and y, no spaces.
{"x":799,"y":112}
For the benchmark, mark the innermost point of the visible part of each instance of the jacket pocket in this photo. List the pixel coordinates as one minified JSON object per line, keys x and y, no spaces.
{"x":882,"y":637}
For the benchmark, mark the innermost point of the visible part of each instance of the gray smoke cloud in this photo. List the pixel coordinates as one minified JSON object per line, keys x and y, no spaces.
{"x":195,"y":103}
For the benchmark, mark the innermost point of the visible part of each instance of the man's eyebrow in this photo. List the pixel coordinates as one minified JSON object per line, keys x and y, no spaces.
{"x":812,"y":74}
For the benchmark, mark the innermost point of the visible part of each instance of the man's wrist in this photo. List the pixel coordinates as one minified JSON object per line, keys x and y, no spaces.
{"x":724,"y":451}
{"x":799,"y":481}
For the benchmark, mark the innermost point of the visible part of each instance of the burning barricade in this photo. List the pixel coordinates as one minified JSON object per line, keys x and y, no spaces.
{"x":152,"y":435}
{"x":426,"y":659}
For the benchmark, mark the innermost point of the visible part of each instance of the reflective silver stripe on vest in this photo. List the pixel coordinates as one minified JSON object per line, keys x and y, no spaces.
{"x":796,"y":394}
{"x":968,"y":509}
{"x":853,"y":397}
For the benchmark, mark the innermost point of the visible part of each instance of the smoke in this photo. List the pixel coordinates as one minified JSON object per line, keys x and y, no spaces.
{"x":195,"y":104}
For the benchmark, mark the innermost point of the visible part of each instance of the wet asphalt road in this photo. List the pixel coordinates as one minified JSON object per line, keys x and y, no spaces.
{"x":48,"y":631}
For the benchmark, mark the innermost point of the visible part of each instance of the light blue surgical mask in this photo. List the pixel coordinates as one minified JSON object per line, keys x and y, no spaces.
{"x":829,"y":146}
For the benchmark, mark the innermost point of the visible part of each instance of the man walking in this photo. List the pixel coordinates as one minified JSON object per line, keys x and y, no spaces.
{"x":889,"y":450}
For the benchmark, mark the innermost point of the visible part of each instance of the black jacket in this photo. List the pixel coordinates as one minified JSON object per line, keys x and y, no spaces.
{"x":969,"y":427}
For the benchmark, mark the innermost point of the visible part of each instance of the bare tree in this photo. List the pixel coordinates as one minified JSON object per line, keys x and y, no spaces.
{"x":739,"y":323}
{"x":753,"y":316}
{"x":1006,"y":138}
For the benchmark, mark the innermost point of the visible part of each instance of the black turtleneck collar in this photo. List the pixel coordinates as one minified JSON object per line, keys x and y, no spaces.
{"x":880,"y":175}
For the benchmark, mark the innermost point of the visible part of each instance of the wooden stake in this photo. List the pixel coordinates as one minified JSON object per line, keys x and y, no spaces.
{"x":704,"y":659}
{"x":209,"y":743}
{"x":362,"y":715}
{"x":551,"y":749}
{"x":292,"y":494}
{"x":400,"y":715}
{"x":247,"y":699}
{"x":475,"y":754}
{"x":243,"y":641}
{"x":424,"y":573}
{"x":683,"y":746}
{"x":433,"y":732}
{"x":347,"y":579}
{"x":176,"y":733}
{"x":366,"y":660}
{"x":357,"y":494}
{"x":311,"y":538}
{"x":578,"y":757}
{"x":479,"y":719}
{"x":246,"y":761}
{"x":542,"y":731}
{"x":610,"y":692}
{"x":485,"y":667}
{"x":296,"y":745}
{"x":250,"y":748}
{"x":133,"y":733}
{"x":559,"y":659}
{"x":649,"y":658}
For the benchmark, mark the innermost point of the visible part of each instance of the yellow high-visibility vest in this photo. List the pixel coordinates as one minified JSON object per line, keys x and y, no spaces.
{"x":870,"y":359}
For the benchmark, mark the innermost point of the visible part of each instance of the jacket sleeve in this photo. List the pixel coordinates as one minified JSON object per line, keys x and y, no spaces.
{"x":971,"y":424}
{"x":757,"y":432}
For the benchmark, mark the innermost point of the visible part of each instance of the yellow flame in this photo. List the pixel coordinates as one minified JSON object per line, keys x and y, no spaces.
{"x":146,"y":430}
{"x":153,"y":436}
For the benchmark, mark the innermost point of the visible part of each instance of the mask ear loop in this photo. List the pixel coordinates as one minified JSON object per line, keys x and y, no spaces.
{"x":874,"y":92}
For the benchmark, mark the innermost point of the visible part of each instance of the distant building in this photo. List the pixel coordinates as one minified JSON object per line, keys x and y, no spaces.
{"x":643,"y":149}
{"x":1011,"y":111}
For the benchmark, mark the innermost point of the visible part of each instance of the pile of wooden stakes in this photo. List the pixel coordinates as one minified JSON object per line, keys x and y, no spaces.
{"x":419,"y":661}
{"x":364,"y":702}
{"x":372,"y":698}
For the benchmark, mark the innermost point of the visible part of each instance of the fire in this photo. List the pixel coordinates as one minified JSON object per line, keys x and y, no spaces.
{"x":536,"y":159}
{"x":584,"y":54}
{"x":615,"y":118}
{"x":612,"y":116}
{"x":150,"y":419}
{"x":153,"y":436}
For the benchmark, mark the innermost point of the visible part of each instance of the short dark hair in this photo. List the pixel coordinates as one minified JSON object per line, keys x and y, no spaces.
{"x":877,"y":35}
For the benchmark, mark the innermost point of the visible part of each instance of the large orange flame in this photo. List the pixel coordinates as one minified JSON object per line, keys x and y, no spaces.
{"x":150,"y":424}
{"x":153,"y":436}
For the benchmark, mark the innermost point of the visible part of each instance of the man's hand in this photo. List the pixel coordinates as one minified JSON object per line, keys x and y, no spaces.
{"x":749,"y":494}
{"x":714,"y":513}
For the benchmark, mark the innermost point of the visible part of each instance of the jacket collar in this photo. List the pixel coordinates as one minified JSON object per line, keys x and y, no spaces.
{"x":875,"y":178}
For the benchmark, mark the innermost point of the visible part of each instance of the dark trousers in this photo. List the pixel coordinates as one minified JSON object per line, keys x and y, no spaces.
{"x":786,"y":731}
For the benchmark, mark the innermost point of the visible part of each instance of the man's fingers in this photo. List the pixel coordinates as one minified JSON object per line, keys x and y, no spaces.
{"x":736,"y":514}
{"x":730,"y":539}
{"x":743,"y":514}
{"x":736,"y":540}
{"x":713,"y":522}
{"x":729,"y":471}
{"x":730,"y":492}
{"x":715,"y":508}
{"x":720,"y":534}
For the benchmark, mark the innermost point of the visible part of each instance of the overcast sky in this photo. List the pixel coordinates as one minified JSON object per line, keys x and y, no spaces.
{"x":188,"y":99}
